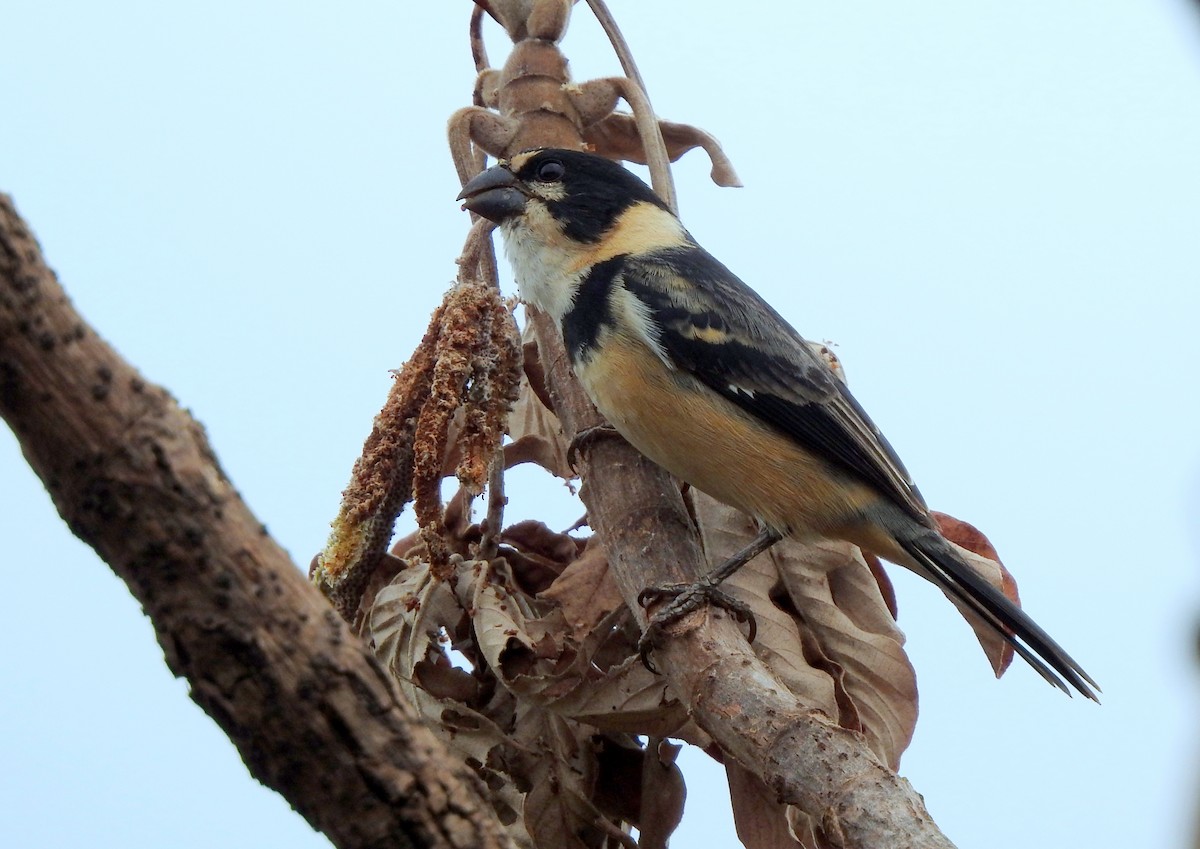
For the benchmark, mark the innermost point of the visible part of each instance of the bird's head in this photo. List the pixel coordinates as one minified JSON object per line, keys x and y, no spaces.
{"x":564,"y":211}
{"x":557,"y":193}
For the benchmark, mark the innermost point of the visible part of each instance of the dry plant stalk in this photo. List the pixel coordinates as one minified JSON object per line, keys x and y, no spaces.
{"x":546,"y":701}
{"x":466,"y":366}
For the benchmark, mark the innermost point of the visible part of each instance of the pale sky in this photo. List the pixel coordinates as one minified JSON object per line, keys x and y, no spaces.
{"x":992,"y":208}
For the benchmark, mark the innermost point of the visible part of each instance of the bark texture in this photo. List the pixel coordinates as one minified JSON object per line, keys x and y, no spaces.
{"x":311,"y":711}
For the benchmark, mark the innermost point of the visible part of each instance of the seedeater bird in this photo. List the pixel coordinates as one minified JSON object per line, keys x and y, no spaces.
{"x":701,"y":375}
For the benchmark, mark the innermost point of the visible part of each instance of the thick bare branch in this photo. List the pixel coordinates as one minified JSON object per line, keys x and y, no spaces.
{"x":133,"y":475}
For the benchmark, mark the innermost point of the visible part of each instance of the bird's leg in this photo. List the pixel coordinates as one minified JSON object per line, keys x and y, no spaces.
{"x":586,"y":437}
{"x":688,"y":597}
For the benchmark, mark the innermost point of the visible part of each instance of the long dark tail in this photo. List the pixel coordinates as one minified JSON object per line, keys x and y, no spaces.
{"x":956,"y":577}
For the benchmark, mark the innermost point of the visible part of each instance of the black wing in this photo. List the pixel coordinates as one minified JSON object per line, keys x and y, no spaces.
{"x":718,"y":329}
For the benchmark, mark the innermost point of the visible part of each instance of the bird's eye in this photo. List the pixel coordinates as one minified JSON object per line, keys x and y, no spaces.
{"x":550,"y":171}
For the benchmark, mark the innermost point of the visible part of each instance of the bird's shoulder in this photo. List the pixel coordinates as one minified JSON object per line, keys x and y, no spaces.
{"x":715,"y":325}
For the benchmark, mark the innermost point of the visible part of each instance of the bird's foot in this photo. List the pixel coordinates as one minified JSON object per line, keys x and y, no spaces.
{"x":586,"y":437}
{"x":685,"y":598}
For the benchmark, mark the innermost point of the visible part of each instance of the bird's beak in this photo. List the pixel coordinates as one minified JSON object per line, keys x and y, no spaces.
{"x":495,"y":194}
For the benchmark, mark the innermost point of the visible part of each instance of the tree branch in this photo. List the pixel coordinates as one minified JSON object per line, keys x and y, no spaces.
{"x":311,"y":712}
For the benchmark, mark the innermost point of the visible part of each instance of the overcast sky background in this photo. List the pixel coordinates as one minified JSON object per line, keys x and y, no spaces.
{"x":993,"y":208}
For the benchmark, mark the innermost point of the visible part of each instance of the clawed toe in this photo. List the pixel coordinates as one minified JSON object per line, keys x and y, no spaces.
{"x":587,"y":436}
{"x":685,"y":598}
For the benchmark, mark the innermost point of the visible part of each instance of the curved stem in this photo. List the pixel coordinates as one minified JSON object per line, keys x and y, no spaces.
{"x":643,"y":113}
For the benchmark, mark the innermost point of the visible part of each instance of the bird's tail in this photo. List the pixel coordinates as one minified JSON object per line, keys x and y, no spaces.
{"x":942,"y":564}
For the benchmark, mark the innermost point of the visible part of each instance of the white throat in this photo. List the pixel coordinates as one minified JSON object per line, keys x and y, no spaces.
{"x":546,"y":276}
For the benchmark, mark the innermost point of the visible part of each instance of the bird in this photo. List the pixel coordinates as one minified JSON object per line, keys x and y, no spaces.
{"x":700,"y":374}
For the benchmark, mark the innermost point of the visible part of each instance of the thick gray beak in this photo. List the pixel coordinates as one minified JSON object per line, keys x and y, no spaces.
{"x":495,"y":194}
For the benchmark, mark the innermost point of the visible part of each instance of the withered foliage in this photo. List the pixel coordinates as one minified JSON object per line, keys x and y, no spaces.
{"x":450,"y":399}
{"x":514,"y":642}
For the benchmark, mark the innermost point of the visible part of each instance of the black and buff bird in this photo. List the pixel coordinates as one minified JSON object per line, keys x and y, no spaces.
{"x":702,"y":376}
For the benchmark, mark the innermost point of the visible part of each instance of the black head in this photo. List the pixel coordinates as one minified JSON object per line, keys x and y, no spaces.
{"x":584,"y":192}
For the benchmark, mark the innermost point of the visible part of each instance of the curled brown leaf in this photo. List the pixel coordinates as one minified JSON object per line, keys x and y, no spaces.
{"x":824,"y":628}
{"x":979,"y":553}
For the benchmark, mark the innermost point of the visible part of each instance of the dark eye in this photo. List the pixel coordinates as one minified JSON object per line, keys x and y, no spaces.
{"x":550,"y":171}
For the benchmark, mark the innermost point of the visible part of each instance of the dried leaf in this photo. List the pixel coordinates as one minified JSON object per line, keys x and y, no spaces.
{"x":538,"y":450}
{"x":404,"y":624}
{"x":761,"y":821}
{"x":537,"y":555}
{"x":803,"y":829}
{"x":663,"y":795}
{"x":626,"y":698}
{"x":617,"y":137}
{"x":824,"y":628}
{"x":407,"y":619}
{"x":526,"y":645}
{"x":539,"y":768}
{"x":534,"y":537}
{"x":535,"y":431}
{"x":886,"y":589}
{"x":558,"y":809}
{"x":586,"y":591}
{"x":535,"y":370}
{"x":980,"y":555}
{"x":618,"y":780}
{"x":779,"y":641}
{"x":443,"y":681}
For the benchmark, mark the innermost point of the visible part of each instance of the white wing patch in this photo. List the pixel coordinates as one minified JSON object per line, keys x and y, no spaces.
{"x":634,"y":313}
